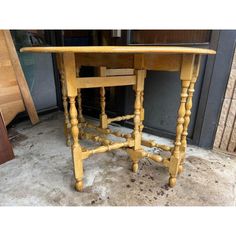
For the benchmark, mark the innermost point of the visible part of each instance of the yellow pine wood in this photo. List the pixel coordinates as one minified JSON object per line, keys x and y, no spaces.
{"x":137,"y":109}
{"x":11,"y":102}
{"x":76,"y":148}
{"x":103,"y":116}
{"x":80,"y":111}
{"x":113,"y":72}
{"x":106,"y":148}
{"x":120,"y":49}
{"x":185,"y":77}
{"x":97,"y":82}
{"x":188,"y":108}
{"x":189,"y":101}
{"x":127,"y":66}
{"x":24,"y":89}
{"x":120,"y":118}
{"x":70,"y":79}
{"x":67,"y":126}
{"x":70,"y":74}
{"x":155,"y":61}
{"x":152,"y":144}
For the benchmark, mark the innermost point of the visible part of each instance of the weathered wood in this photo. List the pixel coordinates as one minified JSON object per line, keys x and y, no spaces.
{"x":28,"y":101}
{"x":6,"y":151}
{"x":11,"y":102}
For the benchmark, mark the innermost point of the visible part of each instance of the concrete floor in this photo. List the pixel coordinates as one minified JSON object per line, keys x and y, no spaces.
{"x":42,"y":174}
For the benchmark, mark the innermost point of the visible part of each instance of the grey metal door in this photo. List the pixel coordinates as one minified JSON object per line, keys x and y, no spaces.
{"x":161,"y":101}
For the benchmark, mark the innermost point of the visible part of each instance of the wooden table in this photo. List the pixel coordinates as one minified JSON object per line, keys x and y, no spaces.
{"x":123,"y":66}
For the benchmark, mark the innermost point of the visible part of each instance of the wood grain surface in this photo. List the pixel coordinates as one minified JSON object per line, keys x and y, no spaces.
{"x":121,"y":49}
{"x":6,"y":152}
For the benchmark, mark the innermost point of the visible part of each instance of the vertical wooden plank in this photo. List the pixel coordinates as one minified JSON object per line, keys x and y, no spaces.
{"x":28,"y":101}
{"x":6,"y":152}
{"x":11,"y":102}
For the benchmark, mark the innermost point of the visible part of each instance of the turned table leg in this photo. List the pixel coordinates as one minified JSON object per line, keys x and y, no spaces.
{"x":136,"y":153}
{"x":103,"y":116}
{"x":60,"y":65}
{"x":186,"y":124}
{"x":67,"y":124}
{"x":79,"y":102}
{"x":142,"y":110}
{"x":188,"y":108}
{"x":175,"y":158}
{"x":80,"y":111}
{"x":70,"y":79}
{"x":76,"y":149}
{"x":186,"y":77}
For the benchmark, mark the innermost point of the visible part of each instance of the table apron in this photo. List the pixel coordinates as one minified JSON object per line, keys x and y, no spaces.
{"x":109,"y":81}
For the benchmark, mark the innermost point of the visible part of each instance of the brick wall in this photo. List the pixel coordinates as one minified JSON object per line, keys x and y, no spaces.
{"x":226,"y":131}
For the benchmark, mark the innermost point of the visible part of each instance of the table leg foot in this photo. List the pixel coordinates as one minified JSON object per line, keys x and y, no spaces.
{"x":135,"y":167}
{"x":172,"y":181}
{"x":79,"y":186}
{"x":76,"y":148}
{"x":181,"y":169}
{"x":135,"y":156}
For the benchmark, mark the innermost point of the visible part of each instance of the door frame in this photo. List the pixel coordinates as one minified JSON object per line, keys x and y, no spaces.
{"x":215,"y":78}
{"x":215,"y":81}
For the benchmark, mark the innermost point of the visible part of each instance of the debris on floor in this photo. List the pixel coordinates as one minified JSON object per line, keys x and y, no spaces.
{"x":42,"y":174}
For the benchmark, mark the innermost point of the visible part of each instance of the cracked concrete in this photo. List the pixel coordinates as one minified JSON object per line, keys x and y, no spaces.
{"x":42,"y":174}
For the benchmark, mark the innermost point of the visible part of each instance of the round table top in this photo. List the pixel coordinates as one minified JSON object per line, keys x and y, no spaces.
{"x":121,"y":49}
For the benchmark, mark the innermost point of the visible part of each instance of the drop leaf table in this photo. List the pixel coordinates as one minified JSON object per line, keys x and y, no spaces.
{"x":124,"y":66}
